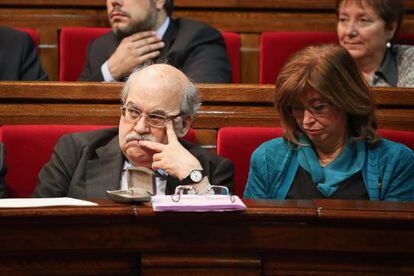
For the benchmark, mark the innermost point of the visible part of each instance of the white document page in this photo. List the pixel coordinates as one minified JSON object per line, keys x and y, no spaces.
{"x":43,"y":202}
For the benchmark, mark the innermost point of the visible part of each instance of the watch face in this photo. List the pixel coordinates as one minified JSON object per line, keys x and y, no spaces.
{"x":196,"y":176}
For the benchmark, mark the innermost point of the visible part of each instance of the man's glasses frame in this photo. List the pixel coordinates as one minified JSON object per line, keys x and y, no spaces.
{"x":133,"y":115}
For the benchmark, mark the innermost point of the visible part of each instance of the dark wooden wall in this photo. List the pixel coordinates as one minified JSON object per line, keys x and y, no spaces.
{"x":247,"y":17}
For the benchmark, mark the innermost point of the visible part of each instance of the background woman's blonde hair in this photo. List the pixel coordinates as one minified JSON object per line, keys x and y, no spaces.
{"x":330,"y":70}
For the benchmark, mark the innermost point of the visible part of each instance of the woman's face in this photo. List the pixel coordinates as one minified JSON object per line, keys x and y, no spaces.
{"x":325,"y":125}
{"x":361,"y":30}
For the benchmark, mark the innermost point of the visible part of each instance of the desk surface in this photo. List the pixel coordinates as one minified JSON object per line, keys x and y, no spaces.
{"x":269,"y":236}
{"x":320,"y":210}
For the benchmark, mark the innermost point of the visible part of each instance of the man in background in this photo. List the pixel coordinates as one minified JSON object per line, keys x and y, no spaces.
{"x":143,"y":30}
{"x":18,"y":57}
{"x":159,"y":104}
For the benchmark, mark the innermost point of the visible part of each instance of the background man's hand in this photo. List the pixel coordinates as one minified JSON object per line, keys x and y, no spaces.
{"x":133,"y":51}
{"x":173,"y":158}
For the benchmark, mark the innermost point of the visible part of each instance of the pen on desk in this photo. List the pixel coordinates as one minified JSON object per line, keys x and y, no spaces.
{"x":379,"y":188}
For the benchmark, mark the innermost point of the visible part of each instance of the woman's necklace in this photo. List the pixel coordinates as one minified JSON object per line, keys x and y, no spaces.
{"x":326,"y":158}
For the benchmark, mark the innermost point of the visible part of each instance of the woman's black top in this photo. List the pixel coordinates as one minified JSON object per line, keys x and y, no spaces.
{"x":303,"y":188}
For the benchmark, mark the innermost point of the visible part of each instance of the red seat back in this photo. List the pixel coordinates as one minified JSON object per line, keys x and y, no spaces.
{"x":400,"y":136}
{"x":405,"y":39}
{"x":238,"y":144}
{"x":74,"y":41}
{"x":33,"y":34}
{"x":233,"y":43}
{"x":277,"y":47}
{"x":29,"y":147}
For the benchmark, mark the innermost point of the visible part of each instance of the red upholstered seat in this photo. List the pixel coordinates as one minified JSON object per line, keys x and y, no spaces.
{"x":277,"y":47}
{"x":33,"y":34}
{"x":233,"y":43}
{"x":400,"y":136}
{"x":73,"y":43}
{"x":405,"y":39}
{"x":238,"y":144}
{"x":29,"y":147}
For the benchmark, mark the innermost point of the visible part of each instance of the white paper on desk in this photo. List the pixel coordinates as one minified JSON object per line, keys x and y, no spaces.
{"x":43,"y":202}
{"x":191,"y":203}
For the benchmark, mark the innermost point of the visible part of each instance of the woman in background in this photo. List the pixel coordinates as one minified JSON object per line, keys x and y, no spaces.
{"x":366,"y":28}
{"x":330,"y":148}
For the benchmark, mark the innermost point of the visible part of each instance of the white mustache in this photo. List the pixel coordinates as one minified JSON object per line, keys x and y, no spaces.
{"x":139,"y":137}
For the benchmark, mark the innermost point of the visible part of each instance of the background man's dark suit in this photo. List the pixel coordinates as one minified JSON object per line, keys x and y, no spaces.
{"x":195,"y":48}
{"x":18,"y":57}
{"x":86,"y":165}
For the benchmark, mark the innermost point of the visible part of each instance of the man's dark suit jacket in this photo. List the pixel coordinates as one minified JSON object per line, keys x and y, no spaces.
{"x":195,"y":48}
{"x":87,"y":164}
{"x":18,"y":57}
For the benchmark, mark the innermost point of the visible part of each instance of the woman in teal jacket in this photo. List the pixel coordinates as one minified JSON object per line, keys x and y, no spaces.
{"x":329,"y":148}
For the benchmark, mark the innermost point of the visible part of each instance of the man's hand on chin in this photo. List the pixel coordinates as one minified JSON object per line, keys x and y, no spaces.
{"x":172,"y":157}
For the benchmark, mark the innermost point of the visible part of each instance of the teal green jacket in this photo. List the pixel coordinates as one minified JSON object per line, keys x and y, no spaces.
{"x":274,"y":164}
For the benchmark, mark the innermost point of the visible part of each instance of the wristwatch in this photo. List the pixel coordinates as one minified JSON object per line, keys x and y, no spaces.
{"x":195,"y":176}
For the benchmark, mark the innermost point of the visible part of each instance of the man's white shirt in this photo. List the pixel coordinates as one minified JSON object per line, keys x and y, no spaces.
{"x":160,"y":179}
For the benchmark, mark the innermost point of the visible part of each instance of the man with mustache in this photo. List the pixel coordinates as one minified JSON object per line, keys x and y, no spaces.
{"x":143,"y":30}
{"x":159,"y":104}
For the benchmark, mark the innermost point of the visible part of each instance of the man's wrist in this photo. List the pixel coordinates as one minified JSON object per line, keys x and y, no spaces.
{"x":106,"y":73}
{"x":188,"y":167}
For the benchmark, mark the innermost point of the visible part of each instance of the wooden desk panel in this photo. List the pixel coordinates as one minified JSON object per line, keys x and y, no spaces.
{"x":282,"y":237}
{"x":223,"y":105}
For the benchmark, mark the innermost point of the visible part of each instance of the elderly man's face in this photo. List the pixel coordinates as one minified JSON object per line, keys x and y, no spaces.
{"x":130,"y":16}
{"x":150,"y":94}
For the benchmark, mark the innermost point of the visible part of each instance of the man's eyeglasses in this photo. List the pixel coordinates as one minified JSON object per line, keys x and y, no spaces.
{"x":315,"y":109}
{"x":133,"y":115}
